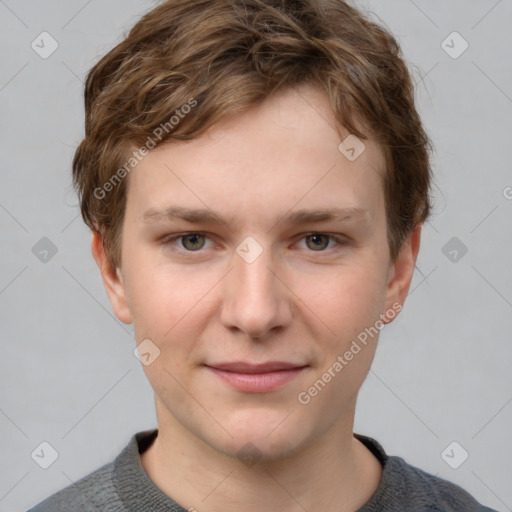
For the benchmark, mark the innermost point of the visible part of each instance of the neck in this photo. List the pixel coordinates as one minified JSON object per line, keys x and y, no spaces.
{"x":335,"y":472}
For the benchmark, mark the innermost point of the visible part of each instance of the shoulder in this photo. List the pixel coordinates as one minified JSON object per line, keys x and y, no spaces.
{"x":110,"y":488}
{"x":89,"y":494}
{"x":426,"y":492}
{"x":408,"y":488}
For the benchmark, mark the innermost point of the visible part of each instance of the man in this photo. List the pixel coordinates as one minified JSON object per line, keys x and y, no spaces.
{"x":255,"y":175}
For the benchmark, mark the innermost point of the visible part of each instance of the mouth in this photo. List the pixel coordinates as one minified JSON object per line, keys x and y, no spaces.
{"x":257,"y":378}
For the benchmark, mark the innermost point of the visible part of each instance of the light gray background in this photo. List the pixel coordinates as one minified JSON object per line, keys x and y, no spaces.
{"x":442,"y":371}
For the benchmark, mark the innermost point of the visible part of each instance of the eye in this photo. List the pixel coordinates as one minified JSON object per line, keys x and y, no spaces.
{"x":318,"y":242}
{"x":191,"y":242}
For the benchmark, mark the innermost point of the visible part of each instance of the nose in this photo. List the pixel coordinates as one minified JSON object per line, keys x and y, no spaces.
{"x":255,"y":298}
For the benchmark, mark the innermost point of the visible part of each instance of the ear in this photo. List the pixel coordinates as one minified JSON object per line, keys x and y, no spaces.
{"x":112,"y":280}
{"x":401,"y":272}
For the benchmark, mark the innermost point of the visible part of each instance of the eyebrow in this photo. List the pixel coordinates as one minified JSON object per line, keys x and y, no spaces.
{"x":205,"y":216}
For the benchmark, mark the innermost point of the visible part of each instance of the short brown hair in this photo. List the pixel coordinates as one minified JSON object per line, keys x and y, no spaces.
{"x":226,"y":56}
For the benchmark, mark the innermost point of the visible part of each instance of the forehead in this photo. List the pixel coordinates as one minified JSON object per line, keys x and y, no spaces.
{"x":283,"y":154}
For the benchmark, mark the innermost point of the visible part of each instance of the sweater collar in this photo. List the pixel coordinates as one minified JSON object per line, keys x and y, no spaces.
{"x":138,"y":492}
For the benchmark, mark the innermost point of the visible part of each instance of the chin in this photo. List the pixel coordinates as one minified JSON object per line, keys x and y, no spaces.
{"x":263,"y":441}
{"x":251,"y":450}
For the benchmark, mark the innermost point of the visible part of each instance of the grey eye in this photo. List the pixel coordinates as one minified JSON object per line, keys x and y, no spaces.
{"x":192,"y":241}
{"x":317,"y":242}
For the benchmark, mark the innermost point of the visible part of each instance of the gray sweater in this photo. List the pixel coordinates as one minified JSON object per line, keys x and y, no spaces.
{"x":124,"y":486}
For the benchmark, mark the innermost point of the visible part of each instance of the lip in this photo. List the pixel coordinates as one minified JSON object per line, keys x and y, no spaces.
{"x":242,"y":367}
{"x":257,"y":378}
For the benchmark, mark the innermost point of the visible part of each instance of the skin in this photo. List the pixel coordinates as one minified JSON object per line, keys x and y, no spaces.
{"x":299,"y":301}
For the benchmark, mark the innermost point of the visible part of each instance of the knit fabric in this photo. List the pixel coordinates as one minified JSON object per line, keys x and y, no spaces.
{"x":124,"y":486}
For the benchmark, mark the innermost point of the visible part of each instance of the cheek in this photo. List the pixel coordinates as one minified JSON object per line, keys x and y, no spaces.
{"x":346,"y":300}
{"x":166,"y":303}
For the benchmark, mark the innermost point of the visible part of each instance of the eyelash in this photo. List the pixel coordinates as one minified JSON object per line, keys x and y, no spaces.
{"x":167,"y":241}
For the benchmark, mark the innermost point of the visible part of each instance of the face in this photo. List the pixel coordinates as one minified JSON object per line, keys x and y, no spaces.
{"x":288,"y":263}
